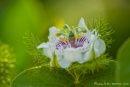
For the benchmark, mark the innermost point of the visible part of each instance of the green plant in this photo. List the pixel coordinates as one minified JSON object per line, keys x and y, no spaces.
{"x":6,"y":63}
{"x":97,"y":71}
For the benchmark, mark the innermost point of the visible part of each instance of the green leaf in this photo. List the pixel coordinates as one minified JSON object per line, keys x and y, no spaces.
{"x":44,"y":76}
{"x":103,"y":78}
{"x":123,"y":69}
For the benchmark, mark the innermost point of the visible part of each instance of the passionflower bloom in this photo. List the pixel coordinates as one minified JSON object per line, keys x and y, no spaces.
{"x":68,"y":45}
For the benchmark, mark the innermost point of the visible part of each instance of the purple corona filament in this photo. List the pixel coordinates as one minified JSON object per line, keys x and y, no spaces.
{"x":67,"y":44}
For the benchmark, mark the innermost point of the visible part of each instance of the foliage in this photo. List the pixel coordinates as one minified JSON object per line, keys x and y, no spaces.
{"x":123,"y":69}
{"x":91,"y":66}
{"x":6,"y":63}
{"x":102,"y":27}
{"x":44,"y":76}
{"x":31,"y":43}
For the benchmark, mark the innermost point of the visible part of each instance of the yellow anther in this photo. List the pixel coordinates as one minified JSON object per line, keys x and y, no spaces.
{"x":57,"y":35}
{"x":64,"y":39}
{"x":79,"y":36}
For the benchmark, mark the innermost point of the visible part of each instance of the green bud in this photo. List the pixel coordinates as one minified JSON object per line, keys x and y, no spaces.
{"x":65,"y":26}
{"x":71,"y":34}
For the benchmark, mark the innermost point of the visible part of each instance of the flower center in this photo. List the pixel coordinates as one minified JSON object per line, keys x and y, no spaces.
{"x":70,"y":38}
{"x":72,"y":43}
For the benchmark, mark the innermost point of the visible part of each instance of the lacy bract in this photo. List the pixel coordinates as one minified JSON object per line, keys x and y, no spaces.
{"x":68,"y":45}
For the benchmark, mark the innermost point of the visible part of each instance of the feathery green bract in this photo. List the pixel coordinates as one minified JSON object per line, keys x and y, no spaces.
{"x":91,"y":66}
{"x":44,"y":76}
{"x":123,"y":69}
{"x":31,"y":43}
{"x":6,"y":63}
{"x":101,"y":26}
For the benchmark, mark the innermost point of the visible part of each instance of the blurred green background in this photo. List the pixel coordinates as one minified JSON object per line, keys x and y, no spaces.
{"x":36,"y":16}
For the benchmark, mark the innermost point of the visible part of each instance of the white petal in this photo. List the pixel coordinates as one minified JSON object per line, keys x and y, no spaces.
{"x":63,"y":62}
{"x":72,"y":55}
{"x":53,"y":31}
{"x":82,"y":51}
{"x":99,"y":47}
{"x":93,"y":38}
{"x":48,"y":52}
{"x":43,"y":45}
{"x":89,"y":54}
{"x":52,"y":38}
{"x":82,"y":24}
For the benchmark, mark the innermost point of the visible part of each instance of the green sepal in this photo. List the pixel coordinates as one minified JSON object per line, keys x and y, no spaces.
{"x":55,"y":62}
{"x":92,"y":54}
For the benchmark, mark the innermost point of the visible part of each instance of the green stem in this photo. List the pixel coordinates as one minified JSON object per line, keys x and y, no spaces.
{"x":70,"y":73}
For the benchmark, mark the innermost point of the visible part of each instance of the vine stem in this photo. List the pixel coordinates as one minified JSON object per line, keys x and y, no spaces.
{"x":70,"y":73}
{"x":75,"y":74}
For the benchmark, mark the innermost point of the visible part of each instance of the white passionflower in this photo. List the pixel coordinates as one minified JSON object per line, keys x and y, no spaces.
{"x":66,"y":45}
